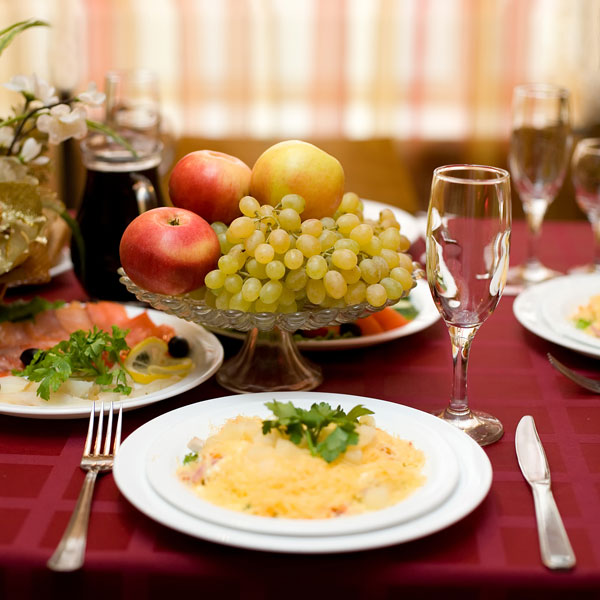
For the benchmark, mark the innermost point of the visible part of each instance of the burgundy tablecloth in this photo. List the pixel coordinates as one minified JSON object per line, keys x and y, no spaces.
{"x":492,"y":553}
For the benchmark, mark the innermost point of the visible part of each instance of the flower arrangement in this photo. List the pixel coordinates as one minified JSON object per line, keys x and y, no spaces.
{"x":28,"y":209}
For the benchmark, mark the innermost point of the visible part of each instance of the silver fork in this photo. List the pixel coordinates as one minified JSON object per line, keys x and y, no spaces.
{"x":70,"y":552}
{"x":589,"y":384}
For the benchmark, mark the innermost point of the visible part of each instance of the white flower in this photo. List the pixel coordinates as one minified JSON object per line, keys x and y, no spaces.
{"x":33,"y":87}
{"x":30,"y":150}
{"x":6,"y":136}
{"x":92,"y":95}
{"x":62,"y":123}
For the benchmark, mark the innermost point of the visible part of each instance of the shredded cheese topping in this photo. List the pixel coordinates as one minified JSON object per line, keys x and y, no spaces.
{"x":241,"y":469}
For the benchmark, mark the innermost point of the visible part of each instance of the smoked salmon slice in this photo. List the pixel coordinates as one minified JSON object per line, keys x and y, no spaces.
{"x":74,"y":316}
{"x":141,"y":327}
{"x":105,"y":314}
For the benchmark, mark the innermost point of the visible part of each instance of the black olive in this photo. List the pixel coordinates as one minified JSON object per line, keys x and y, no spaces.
{"x":179,"y":347}
{"x":27,"y":355}
{"x":351,"y":328}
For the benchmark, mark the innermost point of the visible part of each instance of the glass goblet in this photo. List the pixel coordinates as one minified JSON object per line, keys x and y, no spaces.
{"x":467,"y":246}
{"x":538,"y":156}
{"x":585,"y":172}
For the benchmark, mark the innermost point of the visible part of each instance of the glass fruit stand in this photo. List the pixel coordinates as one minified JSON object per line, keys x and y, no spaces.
{"x":269,"y":359}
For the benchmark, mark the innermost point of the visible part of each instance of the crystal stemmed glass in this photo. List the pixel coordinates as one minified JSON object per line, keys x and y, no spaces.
{"x":538,"y":157}
{"x":585,"y":172}
{"x":468,"y":240}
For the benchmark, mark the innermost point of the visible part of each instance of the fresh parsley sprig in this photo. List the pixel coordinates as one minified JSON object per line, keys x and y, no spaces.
{"x":298,"y":424}
{"x":94,"y":355}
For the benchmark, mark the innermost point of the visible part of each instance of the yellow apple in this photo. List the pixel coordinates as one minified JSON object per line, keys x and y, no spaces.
{"x":296,"y":167}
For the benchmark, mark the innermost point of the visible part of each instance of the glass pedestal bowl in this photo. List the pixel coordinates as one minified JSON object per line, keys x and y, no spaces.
{"x":269,"y":359}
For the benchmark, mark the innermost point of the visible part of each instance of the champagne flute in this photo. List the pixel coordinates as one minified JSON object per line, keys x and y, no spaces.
{"x":467,"y":245}
{"x":585,"y":171}
{"x":538,"y":158}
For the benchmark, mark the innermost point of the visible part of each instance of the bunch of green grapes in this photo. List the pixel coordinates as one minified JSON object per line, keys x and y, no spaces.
{"x":272,"y":260}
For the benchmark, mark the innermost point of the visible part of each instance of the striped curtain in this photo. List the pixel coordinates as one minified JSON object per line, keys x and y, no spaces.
{"x":407,"y":69}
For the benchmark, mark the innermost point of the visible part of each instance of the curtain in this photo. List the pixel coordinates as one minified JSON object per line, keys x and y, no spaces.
{"x":357,"y":69}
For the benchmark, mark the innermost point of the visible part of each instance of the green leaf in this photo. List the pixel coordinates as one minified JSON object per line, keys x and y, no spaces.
{"x":190,"y":457}
{"x":358,"y":411}
{"x":336,"y":443}
{"x":9,"y":33}
{"x":582,"y":323}
{"x":21,"y":310}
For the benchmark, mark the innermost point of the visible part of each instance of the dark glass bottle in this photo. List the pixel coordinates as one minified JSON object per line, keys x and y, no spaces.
{"x":118,"y":187}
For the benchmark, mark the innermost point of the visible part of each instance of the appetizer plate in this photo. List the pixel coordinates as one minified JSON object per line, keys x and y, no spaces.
{"x":474,"y":478}
{"x":206,"y":352}
{"x":169,"y":448}
{"x":63,"y":264}
{"x":539,"y":309}
{"x":565,"y":296}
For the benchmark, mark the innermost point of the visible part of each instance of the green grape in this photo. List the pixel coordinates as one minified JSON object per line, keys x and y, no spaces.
{"x":242,"y":227}
{"x":219,"y":227}
{"x":390,"y":257}
{"x":290,"y":307}
{"x":344,"y":259}
{"x":295,"y":280}
{"x":249,"y":206}
{"x":328,"y":222}
{"x":308,"y":245}
{"x":275,"y":269}
{"x":222,"y":301}
{"x":382,"y":265}
{"x":392,"y":287}
{"x":251,"y":242}
{"x":405,"y":261}
{"x":373,"y":246}
{"x":376,"y":294}
{"x":289,"y":219}
{"x":403,"y":276}
{"x":387,"y":214}
{"x":315,"y":291}
{"x":231,"y":238}
{"x":312,"y":227}
{"x":280,"y":240}
{"x":256,"y":269}
{"x":225,"y":245}
{"x":404,"y":243}
{"x":264,"y":253}
{"x":316,"y":267}
{"x":356,"y":293}
{"x":350,"y":203}
{"x":210,"y":300}
{"x":270,"y":292}
{"x":362,"y":234}
{"x":335,"y":284}
{"x":330,"y":302}
{"x":233,"y":283}
{"x":287,"y":296}
{"x":228,"y":263}
{"x":238,"y":302}
{"x":390,"y":238}
{"x":389,"y":223}
{"x":347,"y":222}
{"x":369,"y":270}
{"x":260,"y":306}
{"x":328,"y":238}
{"x":267,"y":217}
{"x":251,"y":289}
{"x":351,"y":275}
{"x":347,"y":244}
{"x":214,"y":279}
{"x":293,"y":259}
{"x":293,"y":201}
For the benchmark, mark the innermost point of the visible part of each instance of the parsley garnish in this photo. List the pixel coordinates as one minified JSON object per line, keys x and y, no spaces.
{"x":190,"y":457}
{"x":21,"y":310}
{"x":92,"y":355}
{"x":582,"y":323}
{"x":299,"y":424}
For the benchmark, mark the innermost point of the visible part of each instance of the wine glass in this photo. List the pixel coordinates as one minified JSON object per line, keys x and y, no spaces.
{"x":538,"y":157}
{"x":467,"y":245}
{"x":585,"y":171}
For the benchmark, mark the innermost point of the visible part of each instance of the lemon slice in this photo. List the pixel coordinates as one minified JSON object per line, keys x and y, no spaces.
{"x":150,"y":360}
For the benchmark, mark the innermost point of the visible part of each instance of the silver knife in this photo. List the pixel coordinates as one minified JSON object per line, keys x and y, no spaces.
{"x":555,"y":547}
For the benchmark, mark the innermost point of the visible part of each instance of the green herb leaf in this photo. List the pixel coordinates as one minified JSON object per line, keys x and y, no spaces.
{"x":190,"y":457}
{"x":582,"y":323}
{"x":299,"y":424}
{"x":94,"y":355}
{"x":21,"y":310}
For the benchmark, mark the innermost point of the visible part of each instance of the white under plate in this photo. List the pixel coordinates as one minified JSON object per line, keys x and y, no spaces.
{"x":542,"y":304}
{"x":63,"y":263}
{"x":566,"y":295}
{"x":206,"y":352}
{"x":169,"y":448}
{"x":474,"y":478}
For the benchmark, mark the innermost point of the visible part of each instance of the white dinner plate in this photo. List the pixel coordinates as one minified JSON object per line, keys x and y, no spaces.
{"x":63,"y":264}
{"x":408,"y":224}
{"x":474,"y":479}
{"x":567,"y":294}
{"x":169,"y":448}
{"x":544,"y":308}
{"x":206,"y":352}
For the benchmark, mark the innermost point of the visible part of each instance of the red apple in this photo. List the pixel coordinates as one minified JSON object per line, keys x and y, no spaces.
{"x":211,"y":184}
{"x":169,"y":250}
{"x":296,"y":167}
